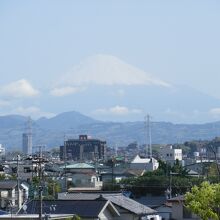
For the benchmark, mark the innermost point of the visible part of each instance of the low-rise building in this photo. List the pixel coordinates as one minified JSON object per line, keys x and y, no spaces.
{"x":86,"y":209}
{"x":179,"y":211}
{"x":170,"y":155}
{"x":82,"y":175}
{"x":10,"y":197}
{"x":127,"y":208}
{"x":148,"y":164}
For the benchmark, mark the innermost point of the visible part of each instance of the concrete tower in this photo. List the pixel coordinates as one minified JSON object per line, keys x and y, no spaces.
{"x":27,"y":139}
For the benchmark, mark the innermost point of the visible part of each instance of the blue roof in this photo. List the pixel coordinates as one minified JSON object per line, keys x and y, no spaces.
{"x":3,"y":212}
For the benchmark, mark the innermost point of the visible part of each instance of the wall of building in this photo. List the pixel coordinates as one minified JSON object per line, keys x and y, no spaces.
{"x":83,"y":149}
{"x":169,"y":154}
{"x":177,"y":211}
{"x":106,"y":215}
{"x":126,"y":215}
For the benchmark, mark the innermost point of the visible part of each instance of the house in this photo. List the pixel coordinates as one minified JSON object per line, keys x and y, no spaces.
{"x":86,"y":180}
{"x":118,"y":174}
{"x":148,"y":164}
{"x":158,"y":203}
{"x":26,"y":168}
{"x":165,"y":211}
{"x":100,"y":208}
{"x":128,"y":208}
{"x":198,"y":166}
{"x":170,"y":155}
{"x":179,"y":211}
{"x":9,"y":196}
{"x":82,"y":175}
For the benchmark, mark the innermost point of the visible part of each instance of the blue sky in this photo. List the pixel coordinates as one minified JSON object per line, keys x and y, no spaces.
{"x":176,"y":42}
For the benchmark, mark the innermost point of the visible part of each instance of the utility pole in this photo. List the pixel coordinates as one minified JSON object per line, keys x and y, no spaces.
{"x":39,"y":161}
{"x":40,"y":183}
{"x":170,"y":187}
{"x":65,"y":174}
{"x":18,"y":182}
{"x":113,"y":164}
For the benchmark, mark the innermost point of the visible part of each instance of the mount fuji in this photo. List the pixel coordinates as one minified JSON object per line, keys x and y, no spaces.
{"x":107,"y":88}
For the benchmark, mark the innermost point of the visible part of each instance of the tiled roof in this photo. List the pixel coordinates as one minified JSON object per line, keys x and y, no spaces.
{"x":89,"y":209}
{"x":137,"y":159}
{"x":116,"y":198}
{"x":8,"y":184}
{"x":152,"y":201}
{"x":129,"y":204}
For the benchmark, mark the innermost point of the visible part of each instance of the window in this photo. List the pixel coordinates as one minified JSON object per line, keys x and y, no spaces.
{"x":27,"y":169}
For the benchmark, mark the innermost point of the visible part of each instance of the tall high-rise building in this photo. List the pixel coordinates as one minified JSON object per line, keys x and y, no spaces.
{"x":27,"y":143}
{"x":27,"y":138}
{"x":84,"y":148}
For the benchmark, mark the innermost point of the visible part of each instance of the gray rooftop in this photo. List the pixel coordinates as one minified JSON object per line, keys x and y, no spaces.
{"x":116,"y":198}
{"x":8,"y":184}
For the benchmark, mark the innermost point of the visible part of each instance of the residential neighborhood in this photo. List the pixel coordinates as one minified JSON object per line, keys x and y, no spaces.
{"x":109,"y":187}
{"x":109,"y":110}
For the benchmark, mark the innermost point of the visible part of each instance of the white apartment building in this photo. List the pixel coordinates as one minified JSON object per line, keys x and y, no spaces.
{"x":169,"y":154}
{"x":148,"y":164}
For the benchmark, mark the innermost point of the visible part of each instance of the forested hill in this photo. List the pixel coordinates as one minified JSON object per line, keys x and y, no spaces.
{"x":51,"y":132}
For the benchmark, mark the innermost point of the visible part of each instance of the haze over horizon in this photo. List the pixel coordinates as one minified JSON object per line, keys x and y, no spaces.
{"x":115,"y":61}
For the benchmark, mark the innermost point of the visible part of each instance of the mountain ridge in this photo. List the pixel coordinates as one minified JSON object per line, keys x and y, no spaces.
{"x":51,"y":132}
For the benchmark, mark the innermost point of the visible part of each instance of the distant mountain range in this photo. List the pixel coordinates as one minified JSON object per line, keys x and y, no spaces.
{"x":52,"y":132}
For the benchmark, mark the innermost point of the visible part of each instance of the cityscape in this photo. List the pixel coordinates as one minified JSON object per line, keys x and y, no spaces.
{"x":109,"y":110}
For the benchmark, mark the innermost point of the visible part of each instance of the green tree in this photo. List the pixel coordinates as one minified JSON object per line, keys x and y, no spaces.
{"x":53,"y":188}
{"x":204,"y":201}
{"x":179,"y":169}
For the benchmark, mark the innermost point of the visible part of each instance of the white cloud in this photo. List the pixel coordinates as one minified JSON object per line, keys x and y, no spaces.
{"x":108,"y":70}
{"x":32,"y":111}
{"x":214,"y":111}
{"x":4,"y":103}
{"x":63,"y":91}
{"x":19,"y":89}
{"x":136,"y":111}
{"x":117,"y":110}
{"x":120,"y":93}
